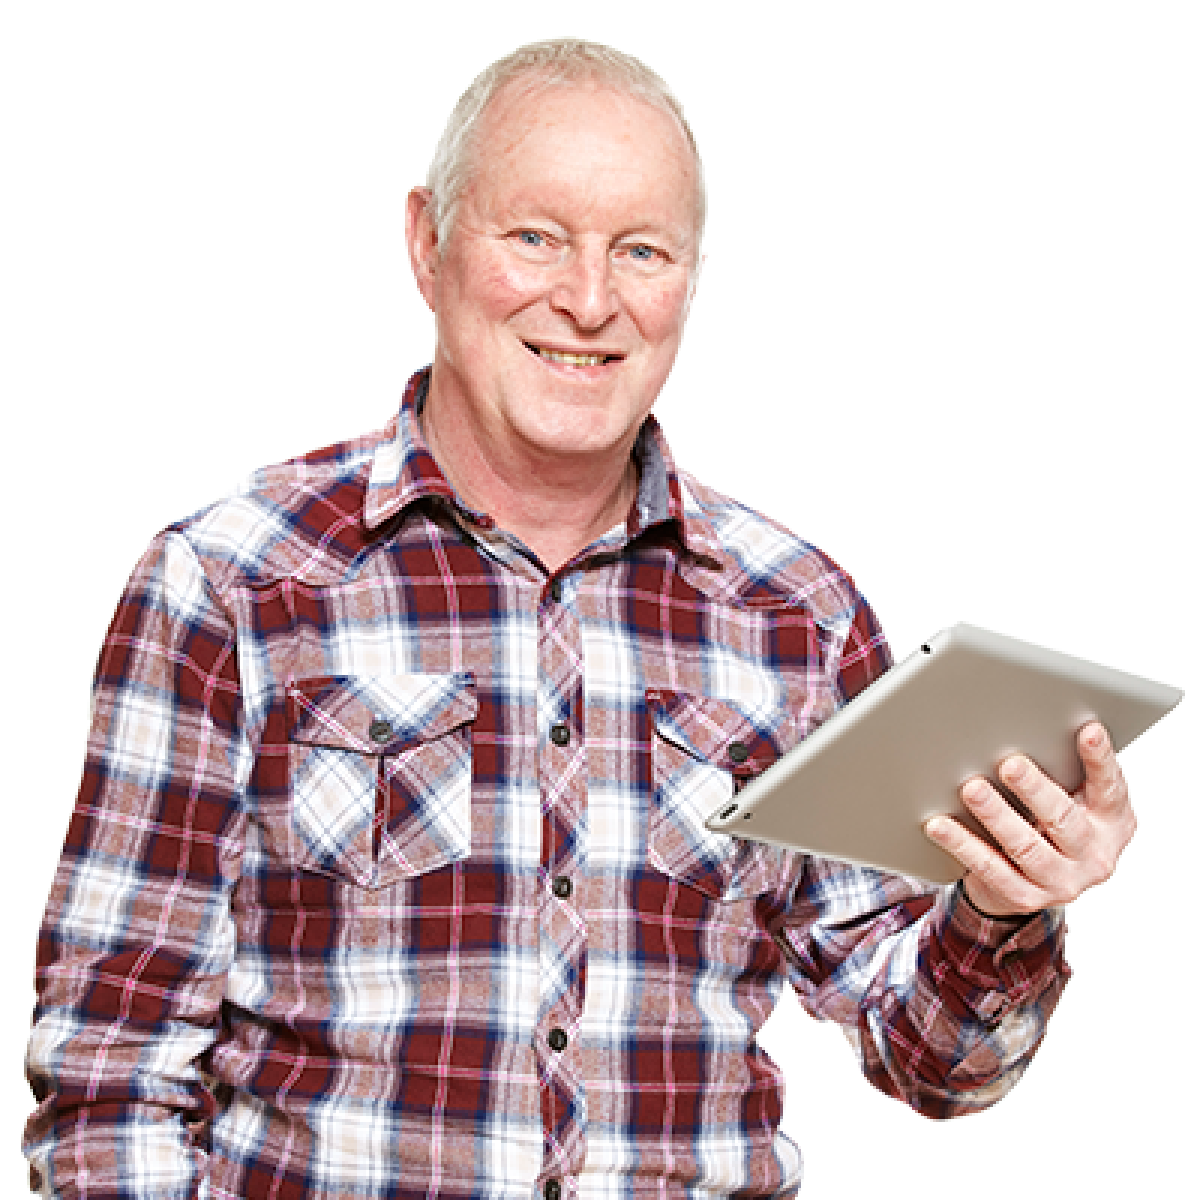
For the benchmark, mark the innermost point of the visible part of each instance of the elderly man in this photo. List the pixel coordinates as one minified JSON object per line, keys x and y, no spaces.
{"x":388,"y":874}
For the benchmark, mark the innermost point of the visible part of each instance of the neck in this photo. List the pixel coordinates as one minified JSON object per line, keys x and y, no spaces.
{"x":555,"y":504}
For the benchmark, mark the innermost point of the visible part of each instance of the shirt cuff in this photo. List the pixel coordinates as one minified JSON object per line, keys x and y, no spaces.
{"x":998,"y":964}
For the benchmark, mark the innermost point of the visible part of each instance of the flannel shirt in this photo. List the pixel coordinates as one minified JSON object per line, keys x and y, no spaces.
{"x":388,"y":875}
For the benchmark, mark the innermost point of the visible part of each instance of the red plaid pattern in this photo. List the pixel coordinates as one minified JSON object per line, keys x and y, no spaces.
{"x":388,"y":875}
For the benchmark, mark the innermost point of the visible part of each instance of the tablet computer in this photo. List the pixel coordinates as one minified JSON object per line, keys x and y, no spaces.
{"x":862,"y":785}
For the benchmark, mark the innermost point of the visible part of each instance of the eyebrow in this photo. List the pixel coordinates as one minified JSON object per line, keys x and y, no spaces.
{"x":668,"y":235}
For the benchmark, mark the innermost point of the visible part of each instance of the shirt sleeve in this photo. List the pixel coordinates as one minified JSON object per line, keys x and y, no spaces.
{"x":137,"y":939}
{"x":945,"y":1006}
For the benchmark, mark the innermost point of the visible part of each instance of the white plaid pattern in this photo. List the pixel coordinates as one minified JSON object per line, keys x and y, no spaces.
{"x":327,"y":847}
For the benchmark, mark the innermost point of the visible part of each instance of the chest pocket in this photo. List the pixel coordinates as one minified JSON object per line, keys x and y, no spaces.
{"x":701,"y":751}
{"x":379,"y":772}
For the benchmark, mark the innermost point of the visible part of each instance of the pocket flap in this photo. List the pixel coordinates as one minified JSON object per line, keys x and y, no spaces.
{"x":381,"y":714}
{"x":715,"y":732}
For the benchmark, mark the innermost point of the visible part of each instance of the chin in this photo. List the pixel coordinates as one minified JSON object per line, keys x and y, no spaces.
{"x":577,"y":431}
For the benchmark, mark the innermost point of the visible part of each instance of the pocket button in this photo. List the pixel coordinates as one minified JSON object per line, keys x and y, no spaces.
{"x":380,"y":731}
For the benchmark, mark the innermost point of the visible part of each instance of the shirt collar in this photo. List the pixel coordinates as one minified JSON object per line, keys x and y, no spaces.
{"x":660,"y":499}
{"x":404,"y":471}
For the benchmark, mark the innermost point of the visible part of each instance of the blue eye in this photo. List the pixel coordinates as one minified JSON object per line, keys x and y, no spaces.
{"x":531,"y":237}
{"x":642,"y":253}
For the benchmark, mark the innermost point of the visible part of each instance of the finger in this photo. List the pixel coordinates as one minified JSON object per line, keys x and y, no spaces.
{"x":1059,"y":819}
{"x":1004,"y":888}
{"x":1104,"y":782}
{"x":1031,"y":853}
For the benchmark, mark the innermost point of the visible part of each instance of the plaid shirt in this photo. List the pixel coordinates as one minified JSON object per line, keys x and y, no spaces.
{"x":388,"y":875}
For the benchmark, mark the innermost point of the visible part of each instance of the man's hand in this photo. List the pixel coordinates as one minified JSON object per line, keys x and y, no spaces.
{"x":1074,"y":845}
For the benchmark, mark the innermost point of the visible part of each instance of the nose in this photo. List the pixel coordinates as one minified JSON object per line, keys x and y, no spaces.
{"x":585,"y":289}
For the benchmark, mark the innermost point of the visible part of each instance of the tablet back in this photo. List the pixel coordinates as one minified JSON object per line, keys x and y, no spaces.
{"x":862,"y":785}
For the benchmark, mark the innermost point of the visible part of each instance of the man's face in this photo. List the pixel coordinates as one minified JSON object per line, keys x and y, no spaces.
{"x":562,"y":288}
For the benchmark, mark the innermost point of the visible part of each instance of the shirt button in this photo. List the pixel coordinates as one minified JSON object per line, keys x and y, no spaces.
{"x":557,"y":1038}
{"x":560,"y":734}
{"x":552,"y":1190}
{"x":556,"y":590}
{"x":738,"y":752}
{"x":380,"y":730}
{"x":562,"y":887}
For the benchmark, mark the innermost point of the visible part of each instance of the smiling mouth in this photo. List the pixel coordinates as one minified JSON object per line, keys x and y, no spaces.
{"x":566,"y":358}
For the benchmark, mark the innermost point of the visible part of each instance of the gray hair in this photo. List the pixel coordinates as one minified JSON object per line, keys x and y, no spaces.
{"x":557,"y":63}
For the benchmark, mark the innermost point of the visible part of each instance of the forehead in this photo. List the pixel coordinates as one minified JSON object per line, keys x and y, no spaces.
{"x":542,"y":142}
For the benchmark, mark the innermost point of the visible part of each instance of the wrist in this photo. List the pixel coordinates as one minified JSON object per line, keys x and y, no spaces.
{"x":979,"y":907}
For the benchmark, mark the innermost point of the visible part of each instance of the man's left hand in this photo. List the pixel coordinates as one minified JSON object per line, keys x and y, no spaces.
{"x":1074,"y":845}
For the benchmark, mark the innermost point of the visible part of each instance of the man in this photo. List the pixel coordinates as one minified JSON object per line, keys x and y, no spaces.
{"x":388,"y":875}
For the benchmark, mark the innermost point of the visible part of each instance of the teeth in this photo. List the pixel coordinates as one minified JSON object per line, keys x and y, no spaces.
{"x":573,"y":360}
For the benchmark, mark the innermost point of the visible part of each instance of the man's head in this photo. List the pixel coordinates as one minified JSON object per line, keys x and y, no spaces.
{"x":557,"y":63}
{"x":561,"y":260}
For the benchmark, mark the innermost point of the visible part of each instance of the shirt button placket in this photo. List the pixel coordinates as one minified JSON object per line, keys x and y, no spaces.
{"x":562,"y":779}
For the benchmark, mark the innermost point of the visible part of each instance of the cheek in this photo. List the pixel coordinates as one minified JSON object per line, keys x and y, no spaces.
{"x":660,"y":313}
{"x":492,"y":287}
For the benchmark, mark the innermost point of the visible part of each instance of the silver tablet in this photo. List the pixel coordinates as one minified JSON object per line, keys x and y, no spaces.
{"x":861,"y":786}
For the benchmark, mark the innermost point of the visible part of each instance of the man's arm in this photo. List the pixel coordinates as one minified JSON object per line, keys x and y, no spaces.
{"x":137,"y":938}
{"x":945,"y":1004}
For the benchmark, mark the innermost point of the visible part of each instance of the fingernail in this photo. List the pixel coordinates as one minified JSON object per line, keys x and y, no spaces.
{"x":1013,"y":770}
{"x":974,"y":790}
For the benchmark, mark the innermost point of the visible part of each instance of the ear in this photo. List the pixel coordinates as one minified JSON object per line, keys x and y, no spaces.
{"x":421,"y":235}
